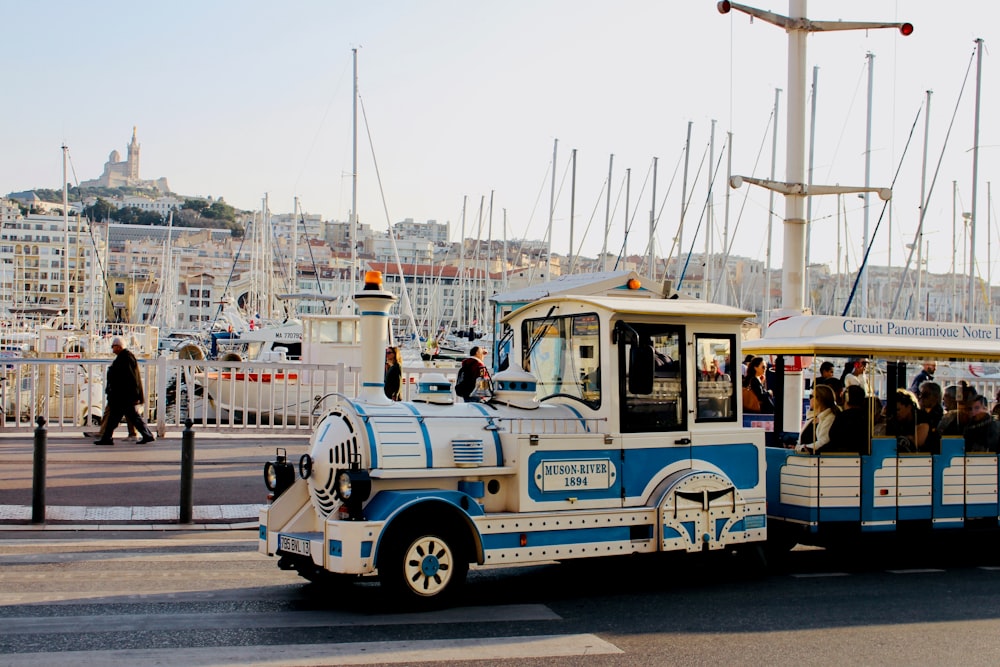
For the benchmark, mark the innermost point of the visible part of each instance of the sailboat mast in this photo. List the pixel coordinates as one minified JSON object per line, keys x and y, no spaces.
{"x":868,"y":182}
{"x":725,"y":223}
{"x":552,"y":210}
{"x":354,"y":181}
{"x":292,"y":269}
{"x":462,"y":278}
{"x":652,"y":224}
{"x":65,"y":206}
{"x":607,"y":216}
{"x":684,"y":190}
{"x":770,"y":211}
{"x":970,"y":316}
{"x":706,"y":274}
{"x":572,"y":213}
{"x":812,"y":156}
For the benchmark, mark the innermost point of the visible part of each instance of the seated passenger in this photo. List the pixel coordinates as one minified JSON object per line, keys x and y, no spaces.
{"x":981,"y":430}
{"x":955,"y":411}
{"x":929,"y":417}
{"x":849,"y":432}
{"x":903,"y":424}
{"x":823,"y":408}
{"x":754,"y":382}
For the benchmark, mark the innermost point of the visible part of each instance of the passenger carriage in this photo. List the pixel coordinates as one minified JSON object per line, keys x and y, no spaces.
{"x":616,"y":429}
{"x":874,"y":488}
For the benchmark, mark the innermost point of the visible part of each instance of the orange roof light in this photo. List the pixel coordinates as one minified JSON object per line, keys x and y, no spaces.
{"x":373,"y":280}
{"x":633,"y":283}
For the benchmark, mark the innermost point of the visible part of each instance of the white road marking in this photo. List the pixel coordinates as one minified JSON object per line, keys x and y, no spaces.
{"x":32,"y":625}
{"x":353,"y":653}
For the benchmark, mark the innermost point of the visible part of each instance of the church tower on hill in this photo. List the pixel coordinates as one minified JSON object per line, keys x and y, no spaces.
{"x":119,"y":174}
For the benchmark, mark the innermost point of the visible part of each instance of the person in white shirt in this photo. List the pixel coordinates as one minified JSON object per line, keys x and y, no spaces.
{"x":823,"y":411}
{"x":858,"y":375}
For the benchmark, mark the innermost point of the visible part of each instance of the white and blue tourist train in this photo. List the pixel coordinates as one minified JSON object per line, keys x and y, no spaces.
{"x":615,"y":429}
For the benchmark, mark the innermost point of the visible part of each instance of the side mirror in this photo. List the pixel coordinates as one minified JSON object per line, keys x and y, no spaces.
{"x":641,"y":369}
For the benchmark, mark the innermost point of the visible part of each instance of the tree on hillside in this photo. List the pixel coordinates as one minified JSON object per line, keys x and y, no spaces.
{"x":99,"y":211}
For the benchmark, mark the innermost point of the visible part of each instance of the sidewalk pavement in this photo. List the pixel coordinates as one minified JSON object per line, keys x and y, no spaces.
{"x":135,"y":487}
{"x":74,"y":518}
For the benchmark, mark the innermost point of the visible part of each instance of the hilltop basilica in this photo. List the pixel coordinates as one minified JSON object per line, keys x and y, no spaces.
{"x":125,"y":174}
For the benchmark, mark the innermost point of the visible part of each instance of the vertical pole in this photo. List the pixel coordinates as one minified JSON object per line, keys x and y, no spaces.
{"x":572,"y":214}
{"x":607,"y":217}
{"x":765,"y":315}
{"x":187,"y":472}
{"x":684,"y":198}
{"x":65,"y":262}
{"x":868,"y":182}
{"x":923,"y":203}
{"x":725,"y":223}
{"x":971,"y":314}
{"x":552,"y":211}
{"x":38,"y":473}
{"x":706,"y":275}
{"x":628,"y":189}
{"x":954,"y":248}
{"x":812,"y":156}
{"x":354,"y":184}
{"x":652,"y":225}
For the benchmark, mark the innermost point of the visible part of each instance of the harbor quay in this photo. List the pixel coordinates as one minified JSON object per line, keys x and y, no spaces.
{"x":131,"y":486}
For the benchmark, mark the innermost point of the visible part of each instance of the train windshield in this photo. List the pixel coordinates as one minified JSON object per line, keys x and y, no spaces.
{"x":563,"y":353}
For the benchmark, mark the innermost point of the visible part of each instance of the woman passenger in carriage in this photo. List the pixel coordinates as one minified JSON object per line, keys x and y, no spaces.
{"x":929,"y":417}
{"x":824,"y":410}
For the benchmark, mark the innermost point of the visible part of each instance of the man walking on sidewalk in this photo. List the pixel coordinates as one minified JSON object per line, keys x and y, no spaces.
{"x":124,"y":390}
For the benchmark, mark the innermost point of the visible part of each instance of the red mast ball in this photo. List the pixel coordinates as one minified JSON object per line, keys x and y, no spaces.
{"x":724,"y":8}
{"x":906,"y":29}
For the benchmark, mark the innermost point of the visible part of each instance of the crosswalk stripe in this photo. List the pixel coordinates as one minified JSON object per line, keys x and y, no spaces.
{"x":352,"y":653}
{"x":33,"y":625}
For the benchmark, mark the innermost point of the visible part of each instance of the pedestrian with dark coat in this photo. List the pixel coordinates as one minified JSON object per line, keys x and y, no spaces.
{"x":124,"y":391}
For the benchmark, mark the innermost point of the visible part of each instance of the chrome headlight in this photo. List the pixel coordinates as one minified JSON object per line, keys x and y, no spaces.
{"x":353,"y":488}
{"x":279,"y":474}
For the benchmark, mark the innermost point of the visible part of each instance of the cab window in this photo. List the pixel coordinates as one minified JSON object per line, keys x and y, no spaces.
{"x":715,"y":389}
{"x":651,"y":388}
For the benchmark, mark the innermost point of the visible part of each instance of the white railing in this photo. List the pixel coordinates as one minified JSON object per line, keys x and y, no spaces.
{"x":215,"y":395}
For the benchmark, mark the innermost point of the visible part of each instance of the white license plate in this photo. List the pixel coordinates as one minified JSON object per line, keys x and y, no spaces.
{"x":293,"y":545}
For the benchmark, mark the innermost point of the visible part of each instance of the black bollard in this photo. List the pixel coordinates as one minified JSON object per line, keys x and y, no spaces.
{"x":187,"y":472}
{"x":38,"y":473}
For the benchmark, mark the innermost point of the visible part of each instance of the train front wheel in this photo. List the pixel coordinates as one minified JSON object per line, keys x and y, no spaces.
{"x":423,"y":567}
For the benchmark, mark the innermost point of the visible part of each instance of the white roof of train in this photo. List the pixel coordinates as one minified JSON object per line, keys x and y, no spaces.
{"x":680,"y":307}
{"x":856,"y":337}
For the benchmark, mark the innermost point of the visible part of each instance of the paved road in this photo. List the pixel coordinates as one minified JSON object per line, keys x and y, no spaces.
{"x":93,"y":486}
{"x":207,"y":598}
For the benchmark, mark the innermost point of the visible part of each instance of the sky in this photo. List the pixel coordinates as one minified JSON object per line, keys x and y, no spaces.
{"x":462,"y":102}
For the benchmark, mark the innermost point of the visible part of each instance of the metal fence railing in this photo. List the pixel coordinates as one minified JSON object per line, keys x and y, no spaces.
{"x":216,"y":395}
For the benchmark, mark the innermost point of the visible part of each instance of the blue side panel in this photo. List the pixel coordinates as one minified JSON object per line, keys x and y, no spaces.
{"x":951,"y":448}
{"x":336,"y":548}
{"x":262,"y":532}
{"x":880,"y":518}
{"x":366,"y":548}
{"x":777,"y":459}
{"x":981,"y":511}
{"x":739,"y":462}
{"x":386,"y":503}
{"x":551,"y":538}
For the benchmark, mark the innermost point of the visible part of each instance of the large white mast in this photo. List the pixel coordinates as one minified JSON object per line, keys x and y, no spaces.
{"x":970,"y":315}
{"x":353,"y":224}
{"x":794,"y":188}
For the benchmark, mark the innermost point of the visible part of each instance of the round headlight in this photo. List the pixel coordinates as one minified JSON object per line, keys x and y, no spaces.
{"x":344,"y":485}
{"x":305,"y":466}
{"x":270,"y":476}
